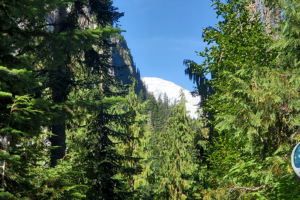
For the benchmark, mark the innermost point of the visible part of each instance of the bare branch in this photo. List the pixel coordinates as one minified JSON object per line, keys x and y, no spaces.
{"x":245,"y":188}
{"x":293,"y":135}
{"x":288,"y":74}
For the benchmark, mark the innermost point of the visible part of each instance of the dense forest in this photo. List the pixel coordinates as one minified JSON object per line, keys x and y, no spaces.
{"x":70,"y":129}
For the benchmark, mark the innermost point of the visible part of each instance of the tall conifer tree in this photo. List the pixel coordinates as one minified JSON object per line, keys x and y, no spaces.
{"x":177,"y":153}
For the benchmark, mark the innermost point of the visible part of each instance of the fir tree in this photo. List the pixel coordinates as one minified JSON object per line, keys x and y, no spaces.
{"x":22,"y":114}
{"x":176,"y":156}
{"x":141,"y":96}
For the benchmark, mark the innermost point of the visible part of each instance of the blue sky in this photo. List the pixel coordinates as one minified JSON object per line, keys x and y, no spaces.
{"x":162,"y":33}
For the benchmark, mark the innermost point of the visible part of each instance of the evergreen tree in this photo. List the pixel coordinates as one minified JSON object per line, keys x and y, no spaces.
{"x":134,"y":148}
{"x":61,"y":70}
{"x":177,"y":153}
{"x":141,"y":96}
{"x":256,"y":89}
{"x":29,"y":46}
{"x":22,"y":114}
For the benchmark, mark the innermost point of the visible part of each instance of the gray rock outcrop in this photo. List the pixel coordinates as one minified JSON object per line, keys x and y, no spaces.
{"x":123,"y":58}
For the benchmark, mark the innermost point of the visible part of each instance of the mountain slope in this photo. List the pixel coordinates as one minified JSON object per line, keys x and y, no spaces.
{"x":121,"y":57}
{"x":158,"y":86}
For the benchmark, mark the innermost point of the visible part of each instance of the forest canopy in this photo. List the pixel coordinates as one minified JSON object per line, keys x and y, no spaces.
{"x":69,"y":128}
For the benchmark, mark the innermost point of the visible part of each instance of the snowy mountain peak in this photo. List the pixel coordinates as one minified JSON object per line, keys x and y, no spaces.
{"x":159,"y":86}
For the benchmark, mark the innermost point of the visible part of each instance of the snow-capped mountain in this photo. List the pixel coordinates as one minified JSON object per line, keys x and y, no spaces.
{"x":158,"y":86}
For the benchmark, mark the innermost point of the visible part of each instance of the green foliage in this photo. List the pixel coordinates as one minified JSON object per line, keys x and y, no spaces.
{"x":177,"y":154}
{"x":119,"y":146}
{"x":159,"y":111}
{"x":255,"y":104}
{"x":169,"y":159}
{"x":40,"y":67}
{"x":59,"y":182}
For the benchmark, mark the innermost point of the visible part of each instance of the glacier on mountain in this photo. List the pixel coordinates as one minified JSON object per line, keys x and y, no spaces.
{"x":159,"y":86}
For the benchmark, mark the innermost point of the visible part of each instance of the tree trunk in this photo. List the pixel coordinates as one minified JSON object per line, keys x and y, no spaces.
{"x":59,"y":95}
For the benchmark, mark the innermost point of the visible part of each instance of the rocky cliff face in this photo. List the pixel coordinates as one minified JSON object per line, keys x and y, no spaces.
{"x":123,"y":58}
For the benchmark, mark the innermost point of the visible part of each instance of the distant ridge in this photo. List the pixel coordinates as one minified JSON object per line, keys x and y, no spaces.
{"x":159,"y":86}
{"x":121,"y":56}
